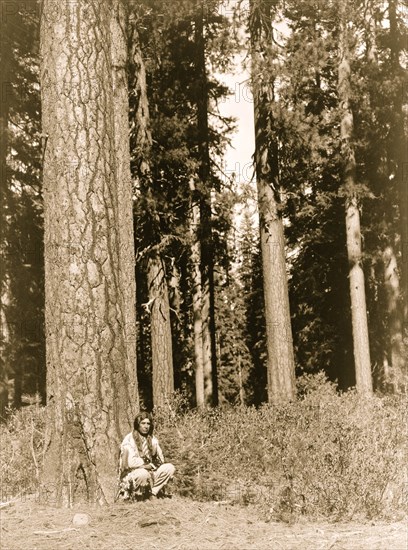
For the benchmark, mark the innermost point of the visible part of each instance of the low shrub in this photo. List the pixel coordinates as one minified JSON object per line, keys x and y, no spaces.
{"x":21,"y":450}
{"x":330,"y":455}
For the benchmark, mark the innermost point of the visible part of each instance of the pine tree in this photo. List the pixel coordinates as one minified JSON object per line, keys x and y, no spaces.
{"x":197,"y":298}
{"x":235,"y":359}
{"x":356,"y":276}
{"x":280,"y":367}
{"x":205,"y":232}
{"x":254,"y":331}
{"x":91,"y":387}
{"x":158,"y":295}
{"x":398,"y":143}
{"x":375,"y":165}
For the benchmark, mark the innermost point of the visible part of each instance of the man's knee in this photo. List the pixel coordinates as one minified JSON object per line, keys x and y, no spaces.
{"x":141,"y":475}
{"x":168,"y":468}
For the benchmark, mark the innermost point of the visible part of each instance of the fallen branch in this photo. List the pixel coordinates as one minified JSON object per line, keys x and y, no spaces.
{"x":37,"y":471}
{"x":4,"y":504}
{"x":55,"y":532}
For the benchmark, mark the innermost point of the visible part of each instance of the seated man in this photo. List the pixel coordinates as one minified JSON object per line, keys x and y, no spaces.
{"x":143,"y":472}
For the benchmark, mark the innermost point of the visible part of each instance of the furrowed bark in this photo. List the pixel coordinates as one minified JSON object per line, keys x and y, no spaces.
{"x":127,"y":281}
{"x":162,"y":351}
{"x":91,"y":385}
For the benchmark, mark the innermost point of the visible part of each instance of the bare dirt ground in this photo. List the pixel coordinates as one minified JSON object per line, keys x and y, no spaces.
{"x":182,"y":524}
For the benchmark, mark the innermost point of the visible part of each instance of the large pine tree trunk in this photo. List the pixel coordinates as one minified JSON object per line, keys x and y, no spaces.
{"x":162,"y":352}
{"x":160,"y":321}
{"x":206,"y":244}
{"x":91,"y":384}
{"x":280,"y":361}
{"x":353,"y":230}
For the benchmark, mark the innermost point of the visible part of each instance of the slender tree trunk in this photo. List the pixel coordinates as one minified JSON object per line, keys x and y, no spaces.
{"x":162,"y":352}
{"x":91,"y":385}
{"x":127,"y":281}
{"x":4,"y":342}
{"x":240,"y":382}
{"x":397,"y":379}
{"x":280,"y":361}
{"x":399,"y":150}
{"x":175,"y":297}
{"x":197,"y":301}
{"x":4,"y":396}
{"x":206,"y":244}
{"x":5,"y":56}
{"x":160,"y":320}
{"x":18,"y":385}
{"x":353,"y":231}
{"x":392,"y":375}
{"x":5,"y":96}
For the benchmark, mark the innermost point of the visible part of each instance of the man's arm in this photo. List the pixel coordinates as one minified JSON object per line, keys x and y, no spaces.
{"x":131,"y":457}
{"x":159,"y":453}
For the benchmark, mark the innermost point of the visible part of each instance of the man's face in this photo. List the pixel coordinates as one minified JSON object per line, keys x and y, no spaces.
{"x":144,"y":426}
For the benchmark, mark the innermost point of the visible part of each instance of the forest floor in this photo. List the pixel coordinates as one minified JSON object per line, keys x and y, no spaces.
{"x":182,"y":524}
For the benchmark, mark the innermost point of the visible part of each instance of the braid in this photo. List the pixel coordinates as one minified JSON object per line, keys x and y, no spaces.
{"x":139,"y":443}
{"x":150,"y":445}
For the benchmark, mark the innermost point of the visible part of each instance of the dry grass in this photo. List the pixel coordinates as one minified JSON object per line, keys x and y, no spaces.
{"x":183,"y":524}
{"x":21,"y":449}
